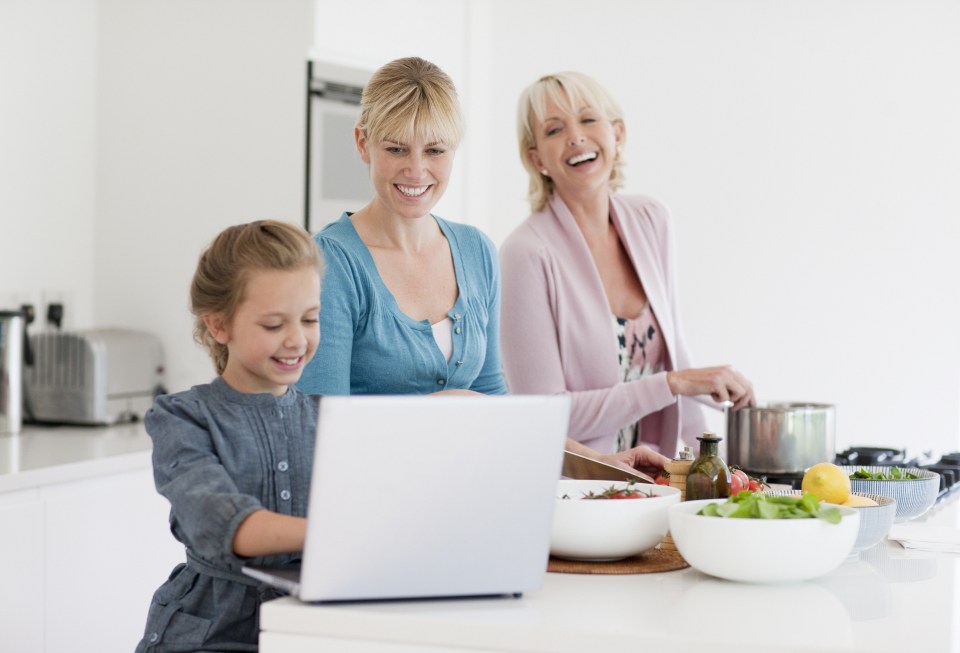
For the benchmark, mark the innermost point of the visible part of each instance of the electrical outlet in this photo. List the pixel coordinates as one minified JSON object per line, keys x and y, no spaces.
{"x":54,"y":310}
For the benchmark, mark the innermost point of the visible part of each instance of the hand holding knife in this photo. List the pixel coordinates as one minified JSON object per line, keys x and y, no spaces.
{"x":584,"y":468}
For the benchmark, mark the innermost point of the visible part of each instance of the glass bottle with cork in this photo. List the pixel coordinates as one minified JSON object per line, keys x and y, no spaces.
{"x":709,"y":476}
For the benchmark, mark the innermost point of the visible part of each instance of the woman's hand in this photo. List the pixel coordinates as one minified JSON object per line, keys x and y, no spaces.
{"x":722,"y":383}
{"x":641,"y":458}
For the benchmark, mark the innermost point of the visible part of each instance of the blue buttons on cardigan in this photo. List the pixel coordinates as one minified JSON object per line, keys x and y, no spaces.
{"x":285,"y":495}
{"x":441,"y":381}
{"x":283,"y":466}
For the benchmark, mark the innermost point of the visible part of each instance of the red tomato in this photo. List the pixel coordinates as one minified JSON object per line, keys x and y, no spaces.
{"x":754,"y":485}
{"x":663,"y":478}
{"x":625,"y":494}
{"x":736,"y":485}
{"x":739,"y":481}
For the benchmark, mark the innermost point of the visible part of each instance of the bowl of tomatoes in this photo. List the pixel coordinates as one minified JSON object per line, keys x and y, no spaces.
{"x":609,"y":520}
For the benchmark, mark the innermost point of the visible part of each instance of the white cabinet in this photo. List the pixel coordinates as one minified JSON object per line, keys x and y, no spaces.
{"x":21,"y":559}
{"x":108,"y":547}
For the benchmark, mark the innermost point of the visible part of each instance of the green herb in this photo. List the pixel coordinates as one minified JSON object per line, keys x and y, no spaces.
{"x":895,"y":474}
{"x":757,"y":505}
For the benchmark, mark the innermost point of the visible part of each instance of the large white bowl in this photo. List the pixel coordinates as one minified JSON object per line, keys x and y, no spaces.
{"x":608,"y":529}
{"x":913,"y":496}
{"x":761,"y":550}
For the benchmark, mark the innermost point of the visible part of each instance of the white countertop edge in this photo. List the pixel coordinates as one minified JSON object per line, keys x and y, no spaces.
{"x":290,"y":617}
{"x":46,"y":476}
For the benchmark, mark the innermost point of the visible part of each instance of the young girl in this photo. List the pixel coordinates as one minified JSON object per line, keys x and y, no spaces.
{"x":233,"y":457}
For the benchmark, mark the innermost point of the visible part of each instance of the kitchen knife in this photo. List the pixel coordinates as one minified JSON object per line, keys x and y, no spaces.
{"x":583,"y":468}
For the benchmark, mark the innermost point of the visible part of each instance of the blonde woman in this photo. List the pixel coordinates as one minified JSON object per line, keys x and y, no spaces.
{"x":589,"y":290}
{"x":410,"y":301}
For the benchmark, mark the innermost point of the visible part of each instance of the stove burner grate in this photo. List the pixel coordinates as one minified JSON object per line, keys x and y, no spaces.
{"x":791,"y":479}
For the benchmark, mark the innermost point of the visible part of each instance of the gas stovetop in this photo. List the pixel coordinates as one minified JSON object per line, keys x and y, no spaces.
{"x":948,"y":466}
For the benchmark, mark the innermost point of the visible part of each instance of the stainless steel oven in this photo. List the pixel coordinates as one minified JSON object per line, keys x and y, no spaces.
{"x":335,"y":178}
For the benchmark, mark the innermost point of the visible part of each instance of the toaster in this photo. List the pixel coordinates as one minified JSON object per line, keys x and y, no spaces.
{"x":99,"y":376}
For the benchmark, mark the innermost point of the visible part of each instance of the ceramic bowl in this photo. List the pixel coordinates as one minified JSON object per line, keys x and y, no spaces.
{"x":875,"y":521}
{"x":913,"y":496}
{"x":608,"y":529}
{"x":761,"y":550}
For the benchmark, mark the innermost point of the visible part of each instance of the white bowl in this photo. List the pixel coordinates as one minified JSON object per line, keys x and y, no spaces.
{"x":913,"y":496}
{"x":608,"y":529}
{"x":761,"y":550}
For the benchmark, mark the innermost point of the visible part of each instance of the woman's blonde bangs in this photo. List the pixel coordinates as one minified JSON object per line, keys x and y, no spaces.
{"x":411,"y":99}
{"x":418,"y":122}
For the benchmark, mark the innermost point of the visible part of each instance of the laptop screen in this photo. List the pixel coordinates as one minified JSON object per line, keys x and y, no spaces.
{"x":428,"y":496}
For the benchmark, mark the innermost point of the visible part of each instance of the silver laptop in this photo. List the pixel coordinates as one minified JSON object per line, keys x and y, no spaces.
{"x":425,"y":496}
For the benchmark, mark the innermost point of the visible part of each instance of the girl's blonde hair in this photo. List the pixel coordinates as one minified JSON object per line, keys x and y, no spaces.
{"x":571,"y":92}
{"x":410,"y":98}
{"x":219,"y":284}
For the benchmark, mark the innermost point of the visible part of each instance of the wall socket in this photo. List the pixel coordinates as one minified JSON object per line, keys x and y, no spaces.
{"x":42,"y":300}
{"x":54,"y":309}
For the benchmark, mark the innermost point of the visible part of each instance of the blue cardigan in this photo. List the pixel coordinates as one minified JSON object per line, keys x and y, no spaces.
{"x":369,"y":346}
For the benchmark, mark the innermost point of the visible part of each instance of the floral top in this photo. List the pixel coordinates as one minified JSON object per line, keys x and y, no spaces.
{"x":641,"y":353}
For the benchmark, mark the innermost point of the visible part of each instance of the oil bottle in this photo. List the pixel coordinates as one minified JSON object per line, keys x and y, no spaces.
{"x":709,"y":476}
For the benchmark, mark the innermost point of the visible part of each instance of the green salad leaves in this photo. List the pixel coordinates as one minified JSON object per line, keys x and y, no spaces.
{"x":895,"y":474}
{"x":757,"y":505}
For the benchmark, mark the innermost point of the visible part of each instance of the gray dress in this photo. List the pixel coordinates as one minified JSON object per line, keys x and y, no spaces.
{"x":219,"y":455}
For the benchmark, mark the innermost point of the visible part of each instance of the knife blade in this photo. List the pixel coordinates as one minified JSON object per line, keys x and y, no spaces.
{"x":583,"y":468}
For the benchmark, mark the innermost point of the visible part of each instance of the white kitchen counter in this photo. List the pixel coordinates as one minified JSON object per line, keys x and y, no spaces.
{"x":887,"y":599}
{"x":45,"y":455}
{"x":79,"y":501}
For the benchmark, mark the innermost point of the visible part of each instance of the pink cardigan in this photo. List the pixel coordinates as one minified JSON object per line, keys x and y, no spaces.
{"x":556,"y":330}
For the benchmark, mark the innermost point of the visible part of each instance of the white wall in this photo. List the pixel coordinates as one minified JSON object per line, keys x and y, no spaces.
{"x":201,"y":120}
{"x":47,"y":136}
{"x":807,"y":149}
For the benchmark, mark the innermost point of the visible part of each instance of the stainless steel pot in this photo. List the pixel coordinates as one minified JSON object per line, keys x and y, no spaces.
{"x":780,"y":438}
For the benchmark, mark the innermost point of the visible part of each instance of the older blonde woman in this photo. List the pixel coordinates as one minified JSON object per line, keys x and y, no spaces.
{"x":410,"y":302}
{"x":589,"y":290}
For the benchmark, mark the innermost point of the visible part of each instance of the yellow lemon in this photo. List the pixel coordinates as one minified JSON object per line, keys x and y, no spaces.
{"x":857,"y":501}
{"x":827,"y":482}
